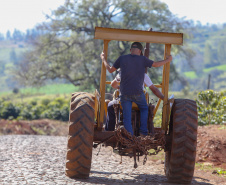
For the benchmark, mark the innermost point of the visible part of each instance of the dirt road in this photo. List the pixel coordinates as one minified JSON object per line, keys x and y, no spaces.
{"x":30,"y":159}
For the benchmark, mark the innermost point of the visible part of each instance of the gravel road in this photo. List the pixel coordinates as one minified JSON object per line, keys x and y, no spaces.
{"x":30,"y":159}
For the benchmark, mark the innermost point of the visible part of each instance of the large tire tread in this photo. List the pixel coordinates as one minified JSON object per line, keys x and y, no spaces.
{"x":180,"y":160}
{"x":80,"y":137}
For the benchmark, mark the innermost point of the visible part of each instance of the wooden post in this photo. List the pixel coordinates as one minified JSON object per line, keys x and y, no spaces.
{"x":102,"y":88}
{"x":208,"y":85}
{"x":165,"y":88}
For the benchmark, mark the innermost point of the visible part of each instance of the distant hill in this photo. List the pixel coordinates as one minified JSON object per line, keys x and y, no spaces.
{"x":208,"y":43}
{"x":12,"y":47}
{"x":10,"y":54}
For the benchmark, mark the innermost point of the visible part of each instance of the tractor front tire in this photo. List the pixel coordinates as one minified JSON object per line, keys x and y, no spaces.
{"x":80,"y":137}
{"x":180,"y":158}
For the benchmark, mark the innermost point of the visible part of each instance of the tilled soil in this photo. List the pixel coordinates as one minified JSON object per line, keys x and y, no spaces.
{"x":33,"y":159}
{"x":211,"y":145}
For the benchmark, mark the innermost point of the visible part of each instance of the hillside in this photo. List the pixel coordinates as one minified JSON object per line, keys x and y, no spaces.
{"x":10,"y":53}
{"x":208,"y":44}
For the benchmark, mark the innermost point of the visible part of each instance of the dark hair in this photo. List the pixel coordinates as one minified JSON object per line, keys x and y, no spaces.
{"x":137,"y":45}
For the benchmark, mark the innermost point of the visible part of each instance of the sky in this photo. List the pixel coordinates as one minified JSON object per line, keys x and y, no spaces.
{"x":25,"y":14}
{"x":205,"y":11}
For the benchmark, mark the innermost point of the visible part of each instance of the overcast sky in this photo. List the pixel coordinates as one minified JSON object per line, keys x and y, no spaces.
{"x":25,"y":14}
{"x":205,"y":11}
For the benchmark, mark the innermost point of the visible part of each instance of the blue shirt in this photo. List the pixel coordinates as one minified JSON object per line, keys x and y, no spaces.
{"x":132,"y":73}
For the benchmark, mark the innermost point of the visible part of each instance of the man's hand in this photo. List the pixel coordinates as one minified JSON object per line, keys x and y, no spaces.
{"x":169,"y":58}
{"x":102,"y":55}
{"x":108,"y":67}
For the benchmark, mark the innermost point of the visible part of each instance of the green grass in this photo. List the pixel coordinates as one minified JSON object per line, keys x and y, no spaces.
{"x":47,"y":90}
{"x":51,"y":89}
{"x":211,"y":168}
{"x":221,"y":67}
{"x":222,"y":127}
{"x":190,"y":74}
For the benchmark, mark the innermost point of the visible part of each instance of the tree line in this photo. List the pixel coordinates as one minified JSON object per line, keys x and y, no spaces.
{"x":68,"y":51}
{"x":64,"y":49}
{"x":19,"y":36}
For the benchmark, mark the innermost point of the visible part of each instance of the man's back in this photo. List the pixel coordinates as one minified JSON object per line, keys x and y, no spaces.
{"x":132,"y":73}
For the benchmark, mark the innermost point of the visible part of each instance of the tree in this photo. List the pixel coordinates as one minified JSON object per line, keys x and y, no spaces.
{"x":8,"y":35}
{"x":221,"y":52}
{"x":208,"y":59}
{"x":68,"y":50}
{"x":1,"y":37}
{"x":17,"y":35}
{"x":13,"y":56}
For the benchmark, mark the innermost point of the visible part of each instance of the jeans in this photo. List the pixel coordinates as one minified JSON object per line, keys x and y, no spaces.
{"x":110,"y":121}
{"x":126,"y":102}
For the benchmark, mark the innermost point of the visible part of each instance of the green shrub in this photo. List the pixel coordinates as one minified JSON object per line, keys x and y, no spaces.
{"x":211,"y":107}
{"x":33,"y":102}
{"x":65,"y":113}
{"x":7,"y":110}
{"x":57,"y":109}
{"x":45,"y":101}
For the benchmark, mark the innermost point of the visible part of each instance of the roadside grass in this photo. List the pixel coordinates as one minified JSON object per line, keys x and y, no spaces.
{"x":210,"y":168}
{"x":159,"y":156}
{"x":201,"y":166}
{"x":222,"y":127}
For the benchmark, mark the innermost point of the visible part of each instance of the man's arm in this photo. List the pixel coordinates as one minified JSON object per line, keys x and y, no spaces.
{"x":162,"y":62}
{"x":115,"y":84}
{"x":156,"y":91}
{"x":110,"y":69}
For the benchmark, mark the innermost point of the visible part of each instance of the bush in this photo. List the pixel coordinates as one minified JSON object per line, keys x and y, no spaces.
{"x":7,"y":110}
{"x":45,"y":101}
{"x":211,"y":107}
{"x":57,"y":109}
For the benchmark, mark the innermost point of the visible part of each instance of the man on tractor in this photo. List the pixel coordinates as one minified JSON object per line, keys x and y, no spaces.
{"x":131,"y":87}
{"x":110,"y":120}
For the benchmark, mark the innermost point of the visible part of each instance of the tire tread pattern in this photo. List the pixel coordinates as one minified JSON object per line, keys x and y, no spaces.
{"x":80,"y":137}
{"x":180,"y":160}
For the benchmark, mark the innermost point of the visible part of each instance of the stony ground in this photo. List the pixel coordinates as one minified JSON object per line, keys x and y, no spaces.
{"x":35,"y":159}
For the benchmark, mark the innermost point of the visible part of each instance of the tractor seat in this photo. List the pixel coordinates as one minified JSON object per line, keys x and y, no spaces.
{"x":134,"y":105}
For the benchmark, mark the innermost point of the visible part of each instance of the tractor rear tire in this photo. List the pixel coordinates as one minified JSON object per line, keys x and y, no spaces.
{"x":180,"y":158}
{"x":80,"y":137}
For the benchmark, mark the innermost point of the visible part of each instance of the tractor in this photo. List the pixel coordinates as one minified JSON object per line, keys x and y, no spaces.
{"x":177,"y":135}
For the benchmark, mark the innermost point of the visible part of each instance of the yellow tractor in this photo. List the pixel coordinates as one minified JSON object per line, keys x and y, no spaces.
{"x":177,"y":135}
